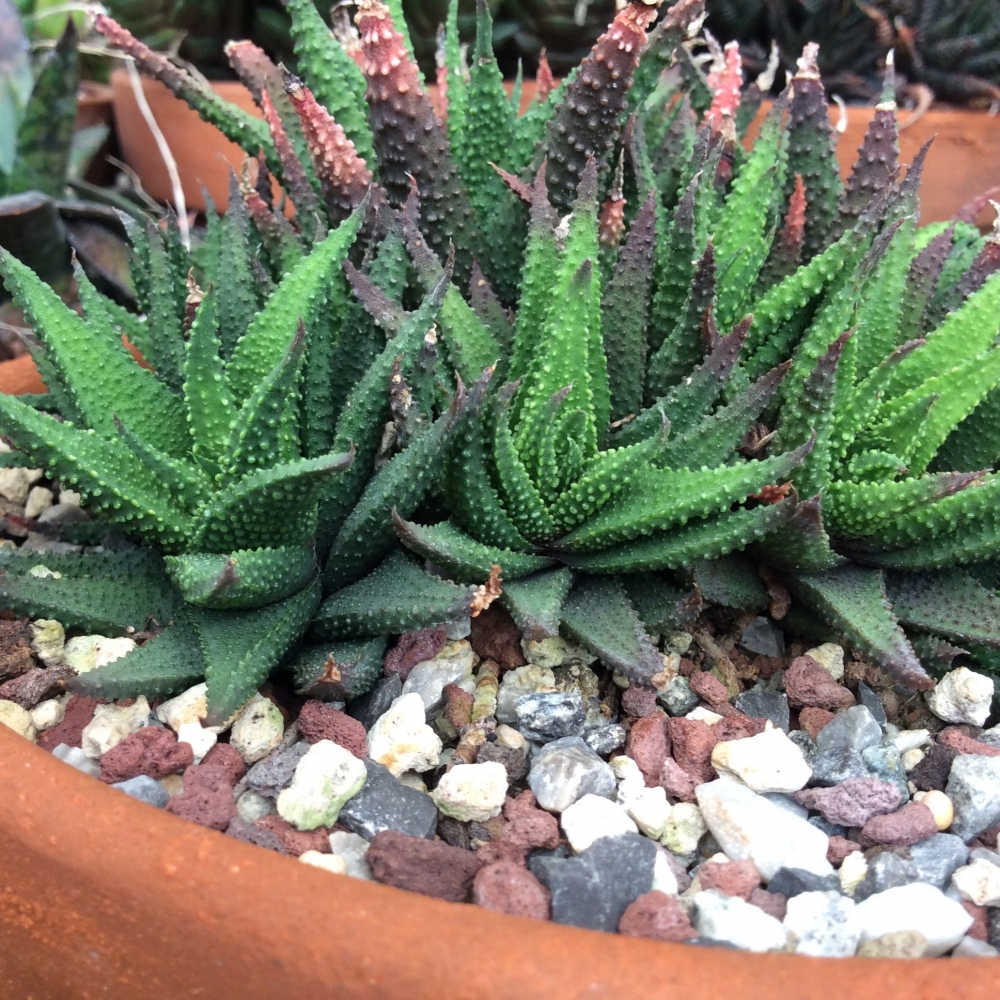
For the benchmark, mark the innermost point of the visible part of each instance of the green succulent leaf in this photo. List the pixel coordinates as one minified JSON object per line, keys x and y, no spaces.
{"x":338,"y":671}
{"x":535,"y":602}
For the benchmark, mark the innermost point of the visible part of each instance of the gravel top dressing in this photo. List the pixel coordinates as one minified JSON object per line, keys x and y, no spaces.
{"x":757,"y":797}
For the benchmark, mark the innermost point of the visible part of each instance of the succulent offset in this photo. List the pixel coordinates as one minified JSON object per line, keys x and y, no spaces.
{"x":577,"y":359}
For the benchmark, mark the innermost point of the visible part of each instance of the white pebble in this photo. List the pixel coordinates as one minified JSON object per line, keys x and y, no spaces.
{"x":702,"y":714}
{"x":592,"y":817}
{"x":685,"y":827}
{"x":916,"y":907}
{"x":824,"y":924}
{"x":14,"y":485}
{"x":251,"y":806}
{"x":911,"y":758}
{"x":430,"y":677}
{"x":201,"y":740}
{"x":962,"y":696}
{"x":19,"y":719}
{"x":979,"y":882}
{"x":50,"y":712}
{"x":352,"y":848}
{"x":664,"y":879}
{"x":326,"y":777}
{"x":111,"y":724}
{"x":328,"y":862}
{"x":852,"y":872}
{"x":84,"y":653}
{"x":911,"y":739}
{"x":257,"y":730}
{"x":649,"y":810}
{"x":508,"y":736}
{"x":767,"y":762}
{"x":401,"y":740}
{"x":473,"y":792}
{"x":747,"y":825}
{"x":731,"y":919}
{"x":70,"y":497}
{"x":830,"y":657}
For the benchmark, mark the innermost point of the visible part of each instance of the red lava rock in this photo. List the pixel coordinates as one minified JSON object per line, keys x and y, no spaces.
{"x":658,"y":916}
{"x":979,"y":929}
{"x":677,"y":783}
{"x":853,"y":802}
{"x":808,"y":684}
{"x":954,"y":737}
{"x":934,"y":768}
{"x":207,"y":797}
{"x":839,"y":848}
{"x":639,"y":700}
{"x":79,"y":713}
{"x":459,"y":706}
{"x":909,"y":825}
{"x":732,"y":878}
{"x":151,"y":751}
{"x":495,"y":637}
{"x":648,"y":745}
{"x":773,"y":903}
{"x":812,"y":720}
{"x":318,"y":721}
{"x":527,"y":827}
{"x":709,"y":688}
{"x":692,"y":741}
{"x":414,"y":648}
{"x":506,"y":887}
{"x":290,"y":840}
{"x":426,"y":866}
{"x":228,"y":758}
{"x":687,"y":667}
{"x":15,"y":648}
{"x":737,"y":726}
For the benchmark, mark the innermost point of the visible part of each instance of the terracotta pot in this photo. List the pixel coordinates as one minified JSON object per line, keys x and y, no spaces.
{"x":202,"y":153}
{"x":94,"y":103}
{"x":20,"y":376}
{"x":102,"y":896}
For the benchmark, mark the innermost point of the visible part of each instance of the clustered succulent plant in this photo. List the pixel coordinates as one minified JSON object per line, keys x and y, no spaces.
{"x":597,"y":361}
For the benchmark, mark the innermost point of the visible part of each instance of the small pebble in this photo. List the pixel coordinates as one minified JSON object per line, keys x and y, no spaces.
{"x":352,"y":849}
{"x":332,"y":863}
{"x":852,"y":802}
{"x":831,"y":767}
{"x":317,"y":721}
{"x":16,"y":718}
{"x":207,"y":798}
{"x":472,"y":792}
{"x":251,"y":806}
{"x":940,"y":806}
{"x":974,"y":789}
{"x":274,"y":772}
{"x":830,"y":657}
{"x":808,"y":684}
{"x":431,"y":867}
{"x":909,"y":825}
{"x":325,"y":778}
{"x":684,"y":830}
{"x":84,"y":653}
{"x":566,"y":769}
{"x":48,"y":641}
{"x":978,"y":882}
{"x":49,"y":713}
{"x":258,"y":729}
{"x":200,"y":740}
{"x":75,"y":757}
{"x":852,"y":872}
{"x":791,"y":882}
{"x":917,"y":907}
{"x":768,"y":762}
{"x":386,"y":803}
{"x":111,"y":724}
{"x":605,"y":740}
{"x":962,"y":696}
{"x":368,"y":708}
{"x":823,"y":924}
{"x":555,"y":652}
{"x":678,"y":698}
{"x":763,"y":638}
{"x":938,"y":857}
{"x":657,"y":916}
{"x":401,"y":740}
{"x":649,"y":810}
{"x":895,"y":944}
{"x":547,"y":716}
{"x":854,"y":728}
{"x":429,"y":678}
{"x":529,"y":679}
{"x":732,"y":878}
{"x":150,"y":751}
{"x":506,"y":887}
{"x":761,"y":703}
{"x":733,"y":920}
{"x":145,"y":789}
{"x":970,"y":947}
{"x":592,"y":817}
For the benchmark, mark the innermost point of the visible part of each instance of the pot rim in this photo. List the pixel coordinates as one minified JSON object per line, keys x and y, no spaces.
{"x":102,"y":894}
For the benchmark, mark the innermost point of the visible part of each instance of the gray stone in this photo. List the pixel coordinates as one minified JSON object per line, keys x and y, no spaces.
{"x":275,"y":772}
{"x":886,"y":871}
{"x":75,"y":757}
{"x":763,"y":637}
{"x":793,"y":881}
{"x":593,"y":889}
{"x":885,"y":762}
{"x":514,"y":759}
{"x":429,"y":678}
{"x":984,"y":854}
{"x":937,"y":857}
{"x":854,"y":728}
{"x":830,"y":829}
{"x":580,"y":678}
{"x":990,"y":736}
{"x":369,"y":708}
{"x":993,"y":926}
{"x":384,"y":803}
{"x":145,"y":789}
{"x":803,"y":741}
{"x":761,"y":703}
{"x":606,"y":740}
{"x":565,"y":769}
{"x":872,"y":702}
{"x":677,"y":697}
{"x":831,"y":767}
{"x":786,"y":802}
{"x":974,"y":789}
{"x":550,"y":715}
{"x":970,"y":947}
